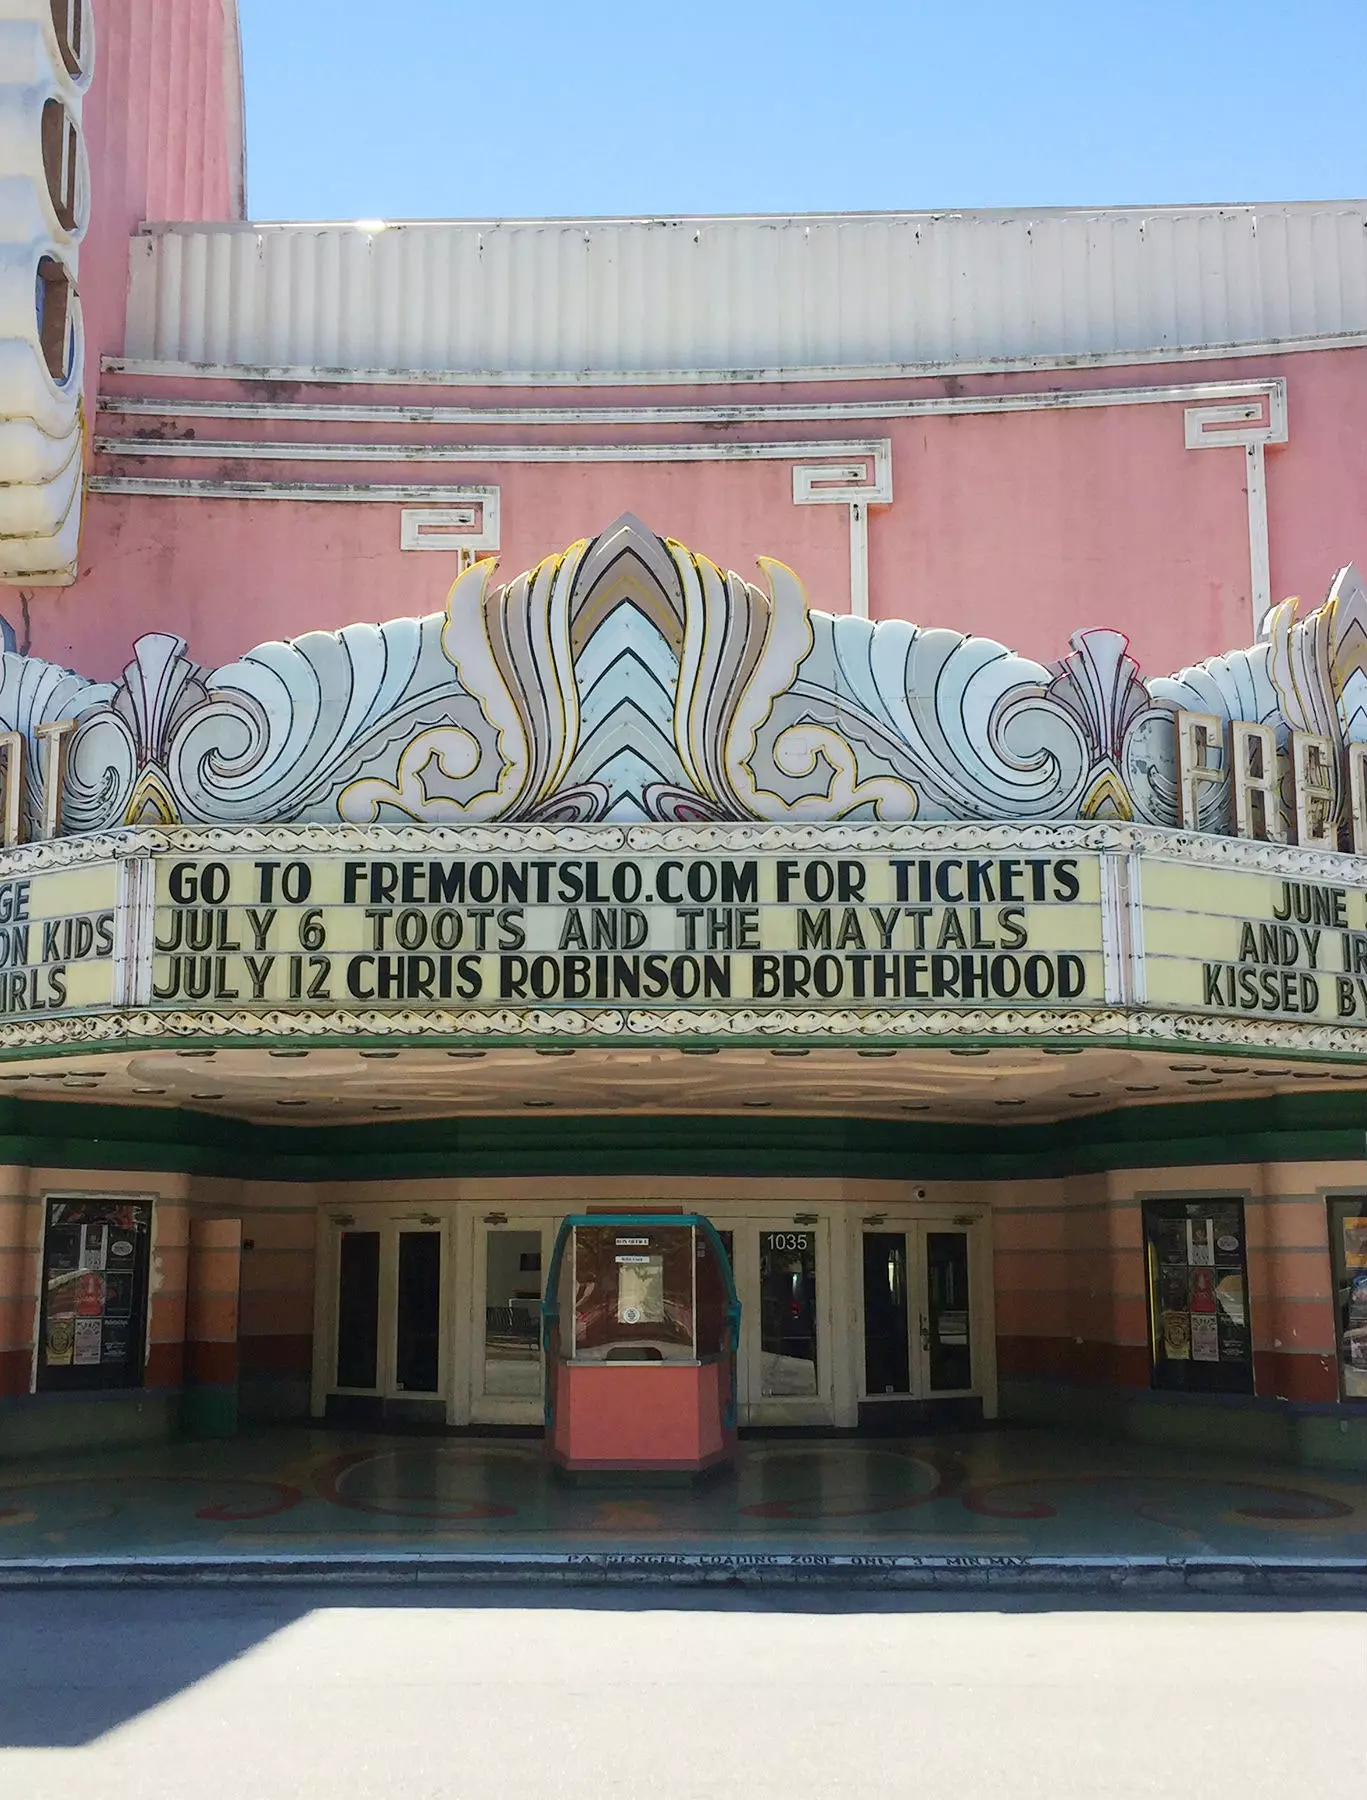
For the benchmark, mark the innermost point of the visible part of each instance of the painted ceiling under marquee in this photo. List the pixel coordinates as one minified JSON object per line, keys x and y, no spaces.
{"x":1002,"y":1085}
{"x":629,"y":678}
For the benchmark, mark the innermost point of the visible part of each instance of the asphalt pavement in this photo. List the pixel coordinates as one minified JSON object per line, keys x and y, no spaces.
{"x":250,"y":1694}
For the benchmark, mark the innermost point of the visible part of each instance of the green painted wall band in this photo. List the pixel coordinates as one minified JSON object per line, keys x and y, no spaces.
{"x":1319,"y":1127}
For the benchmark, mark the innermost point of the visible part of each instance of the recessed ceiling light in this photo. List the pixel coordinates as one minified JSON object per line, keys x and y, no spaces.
{"x":206,"y":1096}
{"x":471,"y":1055}
{"x":288,"y":1052}
{"x":386,"y":1108}
{"x":1008,"y":1103}
{"x":380,"y":1055}
{"x":792,"y":1050}
{"x":196,"y":1052}
{"x":757,"y":1103}
{"x":291,"y":1103}
{"x":697,"y":1049}
{"x":149,"y":1090}
{"x":555,"y":1049}
{"x":1140,"y":1089}
{"x":916,"y":1106}
{"x":1062,"y":1049}
{"x":875,"y":1053}
{"x":13,"y":1077}
{"x":1187,"y":1068}
{"x":538,"y":1102}
{"x":1205,"y":1080}
{"x":969,"y":1050}
{"x":1084,"y":1093}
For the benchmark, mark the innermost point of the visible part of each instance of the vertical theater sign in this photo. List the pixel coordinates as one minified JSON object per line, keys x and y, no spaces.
{"x":631,"y":795}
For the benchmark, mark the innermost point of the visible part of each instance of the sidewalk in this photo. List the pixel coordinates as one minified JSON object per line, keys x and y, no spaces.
{"x":1000,"y":1508}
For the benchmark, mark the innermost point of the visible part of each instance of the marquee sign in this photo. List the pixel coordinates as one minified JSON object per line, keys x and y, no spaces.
{"x":1103,"y":932}
{"x":892,"y":932}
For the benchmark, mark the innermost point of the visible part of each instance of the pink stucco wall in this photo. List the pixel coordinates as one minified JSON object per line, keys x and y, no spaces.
{"x":1020,"y":526}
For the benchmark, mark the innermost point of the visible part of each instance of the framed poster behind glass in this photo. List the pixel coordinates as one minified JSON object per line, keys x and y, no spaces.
{"x":1348,"y":1250}
{"x":92,"y":1322}
{"x":1197,"y":1268}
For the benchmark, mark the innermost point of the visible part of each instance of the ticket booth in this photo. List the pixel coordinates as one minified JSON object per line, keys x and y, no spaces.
{"x":640,"y":1322}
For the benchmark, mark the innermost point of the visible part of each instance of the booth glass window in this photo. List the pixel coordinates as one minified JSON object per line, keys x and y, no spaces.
{"x":1348,"y":1249}
{"x":1197,"y":1264}
{"x":93,"y":1323}
{"x":787,"y":1305}
{"x":634,"y":1293}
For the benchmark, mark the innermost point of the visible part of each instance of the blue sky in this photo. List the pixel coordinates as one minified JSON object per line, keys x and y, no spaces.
{"x":440,"y":108}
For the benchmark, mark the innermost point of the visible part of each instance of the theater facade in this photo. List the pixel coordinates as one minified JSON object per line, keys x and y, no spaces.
{"x":510,"y":722}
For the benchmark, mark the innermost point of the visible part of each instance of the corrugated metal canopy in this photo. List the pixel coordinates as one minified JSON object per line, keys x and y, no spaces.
{"x":680,"y":297}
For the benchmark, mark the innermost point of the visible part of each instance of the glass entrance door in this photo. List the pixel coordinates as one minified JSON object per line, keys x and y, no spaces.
{"x":916,"y":1311}
{"x":506,"y":1354}
{"x":946,"y":1326}
{"x":385,"y":1293}
{"x":782,"y":1269}
{"x":887,"y":1315}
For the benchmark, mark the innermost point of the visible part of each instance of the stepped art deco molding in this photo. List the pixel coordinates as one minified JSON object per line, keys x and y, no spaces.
{"x":631,"y":679}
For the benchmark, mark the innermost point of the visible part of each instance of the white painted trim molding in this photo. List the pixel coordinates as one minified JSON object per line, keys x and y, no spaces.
{"x":626,"y":378}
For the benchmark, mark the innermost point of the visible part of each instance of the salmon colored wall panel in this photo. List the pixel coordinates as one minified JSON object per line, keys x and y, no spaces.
{"x":212,"y":1317}
{"x":1037,"y":1312}
{"x":1288,"y":1224}
{"x":1301,"y":1276}
{"x":16,"y":1368}
{"x":1060,"y":1228}
{"x":167,"y":1317}
{"x":1283,"y":1323}
{"x":1129,"y":1319}
{"x":1075,"y":1360}
{"x":269,"y":1269}
{"x":214,"y":1270}
{"x":14,"y":1224}
{"x":211,"y":1361}
{"x":272,"y":1232}
{"x":165,"y":1364}
{"x":1307,"y":1379}
{"x":275,"y":1311}
{"x":279,"y":1354}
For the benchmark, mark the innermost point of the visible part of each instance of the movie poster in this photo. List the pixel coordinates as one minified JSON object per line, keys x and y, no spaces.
{"x":96,"y":1256}
{"x":1197,"y":1294}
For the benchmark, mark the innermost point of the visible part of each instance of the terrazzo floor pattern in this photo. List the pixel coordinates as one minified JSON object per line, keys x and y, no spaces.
{"x":994,"y":1494}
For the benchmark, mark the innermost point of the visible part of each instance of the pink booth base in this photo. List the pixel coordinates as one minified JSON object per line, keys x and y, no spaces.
{"x":648,"y":1416}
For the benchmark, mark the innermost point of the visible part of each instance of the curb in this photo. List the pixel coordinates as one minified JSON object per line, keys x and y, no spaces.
{"x":1115,"y":1576}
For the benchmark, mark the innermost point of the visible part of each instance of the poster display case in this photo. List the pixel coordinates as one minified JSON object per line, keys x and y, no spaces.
{"x":641,"y":1324}
{"x":93,"y":1320}
{"x":1197,"y":1263}
{"x":1348,"y":1250}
